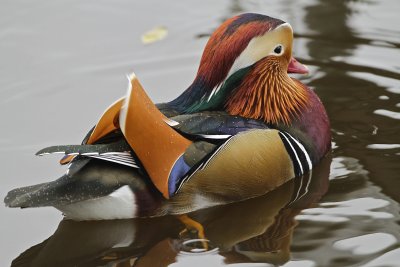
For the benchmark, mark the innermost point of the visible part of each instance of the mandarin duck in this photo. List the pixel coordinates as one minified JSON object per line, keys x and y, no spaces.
{"x":241,"y":129}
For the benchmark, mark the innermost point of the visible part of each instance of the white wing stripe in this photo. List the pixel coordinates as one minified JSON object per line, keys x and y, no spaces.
{"x":116,"y":161}
{"x":201,"y":166}
{"x":124,"y":158}
{"x":215,"y":153}
{"x":117,"y":158}
{"x":215,"y":136}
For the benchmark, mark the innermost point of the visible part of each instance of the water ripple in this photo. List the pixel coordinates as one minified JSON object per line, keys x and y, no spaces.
{"x":383,"y":146}
{"x":343,"y":210}
{"x":389,"y":259}
{"x":366,"y":244}
{"x":388,"y":113}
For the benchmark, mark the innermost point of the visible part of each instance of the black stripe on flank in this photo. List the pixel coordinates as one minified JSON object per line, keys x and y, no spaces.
{"x":296,"y":153}
{"x":300,"y":153}
{"x":292,"y":153}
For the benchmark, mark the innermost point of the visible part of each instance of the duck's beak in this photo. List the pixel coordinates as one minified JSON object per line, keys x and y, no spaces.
{"x":297,"y":67}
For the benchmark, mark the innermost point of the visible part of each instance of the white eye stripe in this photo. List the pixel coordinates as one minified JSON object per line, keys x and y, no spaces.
{"x":261,"y":46}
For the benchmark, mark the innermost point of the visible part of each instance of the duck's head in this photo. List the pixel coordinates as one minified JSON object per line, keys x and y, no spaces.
{"x":244,"y":40}
{"x":247,"y":53}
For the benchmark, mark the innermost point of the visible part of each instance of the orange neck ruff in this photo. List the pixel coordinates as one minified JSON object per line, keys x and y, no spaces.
{"x":267,"y":93}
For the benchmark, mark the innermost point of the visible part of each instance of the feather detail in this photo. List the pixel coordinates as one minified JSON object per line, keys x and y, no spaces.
{"x":107,"y":123}
{"x":228,"y":41}
{"x":156,"y":144}
{"x":120,"y":146}
{"x":118,"y":152}
{"x":248,"y":164}
{"x":219,"y":56}
{"x":267,"y":93}
{"x":214,"y":124}
{"x":123,"y":158}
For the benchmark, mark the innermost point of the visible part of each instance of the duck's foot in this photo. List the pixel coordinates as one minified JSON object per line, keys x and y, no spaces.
{"x":193,"y":229}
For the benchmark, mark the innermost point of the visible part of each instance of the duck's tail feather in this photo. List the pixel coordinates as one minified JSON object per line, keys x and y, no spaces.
{"x":85,"y":179}
{"x":21,"y":197}
{"x":59,"y":192}
{"x":93,"y":189}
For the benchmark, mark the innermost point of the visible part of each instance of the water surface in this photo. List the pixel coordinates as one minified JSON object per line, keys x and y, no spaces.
{"x":63,"y":62}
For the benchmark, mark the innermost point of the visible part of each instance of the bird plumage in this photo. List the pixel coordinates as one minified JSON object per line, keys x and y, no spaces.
{"x":221,"y":56}
{"x":241,"y":129}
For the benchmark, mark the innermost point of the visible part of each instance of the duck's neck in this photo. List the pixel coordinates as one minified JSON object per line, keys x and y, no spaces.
{"x":267,"y":93}
{"x":194,"y":93}
{"x":201,"y":95}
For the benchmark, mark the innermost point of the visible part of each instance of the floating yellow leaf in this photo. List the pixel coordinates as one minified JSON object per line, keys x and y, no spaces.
{"x":154,"y":35}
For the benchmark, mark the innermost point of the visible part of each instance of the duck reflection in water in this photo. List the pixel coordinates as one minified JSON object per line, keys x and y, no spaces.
{"x":255,"y":230}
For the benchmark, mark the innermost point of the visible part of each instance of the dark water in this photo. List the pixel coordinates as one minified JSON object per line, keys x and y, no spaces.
{"x":63,"y":62}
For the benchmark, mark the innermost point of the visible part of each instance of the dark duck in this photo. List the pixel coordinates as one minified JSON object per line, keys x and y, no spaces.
{"x":240,"y":130}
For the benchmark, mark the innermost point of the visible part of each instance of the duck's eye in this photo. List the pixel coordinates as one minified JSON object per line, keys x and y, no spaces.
{"x":278,"y":49}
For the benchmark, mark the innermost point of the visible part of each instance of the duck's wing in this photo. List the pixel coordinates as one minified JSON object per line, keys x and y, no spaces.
{"x":108,"y":124}
{"x":211,"y":124}
{"x":168,"y":156}
{"x":171,"y":151}
{"x":112,"y":147}
{"x":212,"y":127}
{"x":159,"y":147}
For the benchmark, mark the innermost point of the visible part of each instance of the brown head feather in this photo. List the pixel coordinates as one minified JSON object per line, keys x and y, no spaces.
{"x":228,"y":41}
{"x":268,"y":93}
